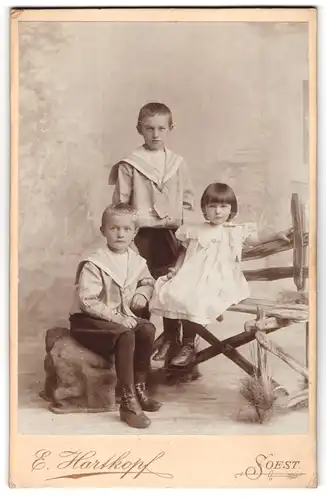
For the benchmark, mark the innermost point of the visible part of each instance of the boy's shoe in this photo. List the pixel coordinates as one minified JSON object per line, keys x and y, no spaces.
{"x":146,"y":403}
{"x":162,"y":351}
{"x":186,"y":356}
{"x":130,"y":409}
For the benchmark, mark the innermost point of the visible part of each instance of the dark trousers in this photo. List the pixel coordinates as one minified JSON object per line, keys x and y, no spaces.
{"x":161,"y":249}
{"x":132,"y":347}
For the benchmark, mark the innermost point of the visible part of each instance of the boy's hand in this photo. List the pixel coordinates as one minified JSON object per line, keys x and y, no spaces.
{"x":124,"y":320}
{"x":129,"y":321}
{"x":138,"y":302}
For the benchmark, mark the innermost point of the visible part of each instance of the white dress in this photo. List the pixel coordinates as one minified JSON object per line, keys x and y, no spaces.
{"x":210,"y":279}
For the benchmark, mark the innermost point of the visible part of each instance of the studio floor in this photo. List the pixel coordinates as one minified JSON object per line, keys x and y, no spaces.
{"x":209,"y":405}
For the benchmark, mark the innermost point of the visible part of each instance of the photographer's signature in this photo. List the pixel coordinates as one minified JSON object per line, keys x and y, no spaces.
{"x":266,"y":465}
{"x":77,"y":464}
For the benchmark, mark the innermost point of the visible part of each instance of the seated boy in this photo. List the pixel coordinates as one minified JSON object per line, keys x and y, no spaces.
{"x":113,"y":287}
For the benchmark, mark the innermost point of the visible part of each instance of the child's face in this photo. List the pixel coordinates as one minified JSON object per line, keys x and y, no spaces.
{"x":155,"y":130}
{"x":119,"y":231}
{"x":217,"y":213}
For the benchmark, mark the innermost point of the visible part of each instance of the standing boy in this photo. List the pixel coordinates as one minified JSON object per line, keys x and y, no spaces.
{"x":155,"y":181}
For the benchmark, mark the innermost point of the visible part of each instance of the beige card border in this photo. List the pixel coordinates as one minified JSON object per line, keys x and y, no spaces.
{"x":164,"y":461}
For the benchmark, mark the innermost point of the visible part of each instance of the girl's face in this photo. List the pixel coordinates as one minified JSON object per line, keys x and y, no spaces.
{"x":217,"y":213}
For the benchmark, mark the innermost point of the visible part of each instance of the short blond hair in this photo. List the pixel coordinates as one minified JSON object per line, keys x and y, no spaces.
{"x":118,"y":209}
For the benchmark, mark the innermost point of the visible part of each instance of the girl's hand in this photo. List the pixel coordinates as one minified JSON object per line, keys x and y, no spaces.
{"x":252,"y":241}
{"x":172,"y":272}
{"x":284,"y":235}
{"x":138,"y":302}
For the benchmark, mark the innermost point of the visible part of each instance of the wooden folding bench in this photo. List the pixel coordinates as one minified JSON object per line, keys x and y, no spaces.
{"x":270,"y":315}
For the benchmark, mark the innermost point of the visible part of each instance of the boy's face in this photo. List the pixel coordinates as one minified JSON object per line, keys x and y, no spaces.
{"x":155,"y":130}
{"x":119,"y":231}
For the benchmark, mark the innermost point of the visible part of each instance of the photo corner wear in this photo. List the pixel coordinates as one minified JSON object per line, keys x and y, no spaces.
{"x":210,"y":279}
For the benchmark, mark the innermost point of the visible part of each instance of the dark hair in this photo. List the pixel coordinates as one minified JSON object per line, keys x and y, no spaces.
{"x":219,"y":193}
{"x":118,"y":209}
{"x":152,"y":109}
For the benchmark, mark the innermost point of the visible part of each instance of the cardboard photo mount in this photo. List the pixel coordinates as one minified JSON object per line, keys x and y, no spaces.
{"x":142,"y":460}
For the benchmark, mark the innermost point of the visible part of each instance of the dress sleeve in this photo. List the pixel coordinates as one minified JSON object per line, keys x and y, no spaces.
{"x":238,"y":236}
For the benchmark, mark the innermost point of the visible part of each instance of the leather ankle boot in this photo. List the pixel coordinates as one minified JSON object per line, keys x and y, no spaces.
{"x":130,"y":410}
{"x":186,"y":356}
{"x":162,"y":352}
{"x":146,"y":403}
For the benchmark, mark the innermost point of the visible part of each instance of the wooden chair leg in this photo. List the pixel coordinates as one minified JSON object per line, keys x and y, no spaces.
{"x":231,"y":353}
{"x":158,"y":342}
{"x":259,"y":362}
{"x":280,"y":352}
{"x":300,"y":256}
{"x":234,"y":341}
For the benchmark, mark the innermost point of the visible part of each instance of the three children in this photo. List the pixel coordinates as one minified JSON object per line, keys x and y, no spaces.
{"x":197,"y":268}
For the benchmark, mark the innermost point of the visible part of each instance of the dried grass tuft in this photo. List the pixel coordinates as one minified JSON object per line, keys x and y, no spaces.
{"x":257,"y":392}
{"x":261,"y":398}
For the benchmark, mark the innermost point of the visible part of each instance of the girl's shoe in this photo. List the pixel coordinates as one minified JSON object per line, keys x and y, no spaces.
{"x":186,"y":356}
{"x":162,"y":351}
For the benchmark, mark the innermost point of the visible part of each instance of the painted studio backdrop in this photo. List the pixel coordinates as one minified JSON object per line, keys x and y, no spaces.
{"x":238,"y":94}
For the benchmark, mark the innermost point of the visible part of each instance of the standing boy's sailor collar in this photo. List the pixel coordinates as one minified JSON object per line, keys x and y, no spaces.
{"x":140,"y":160}
{"x":106,"y":260}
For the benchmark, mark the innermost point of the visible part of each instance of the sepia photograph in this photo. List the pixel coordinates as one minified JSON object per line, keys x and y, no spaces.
{"x":165,"y":222}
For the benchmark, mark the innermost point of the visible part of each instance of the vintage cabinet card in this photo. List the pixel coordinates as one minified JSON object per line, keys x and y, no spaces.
{"x":197,"y":129}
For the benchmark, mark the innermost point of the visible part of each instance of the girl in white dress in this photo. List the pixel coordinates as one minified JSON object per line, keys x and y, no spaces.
{"x":207,"y":278}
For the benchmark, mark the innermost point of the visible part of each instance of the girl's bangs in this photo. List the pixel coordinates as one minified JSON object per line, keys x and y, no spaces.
{"x":224,"y":197}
